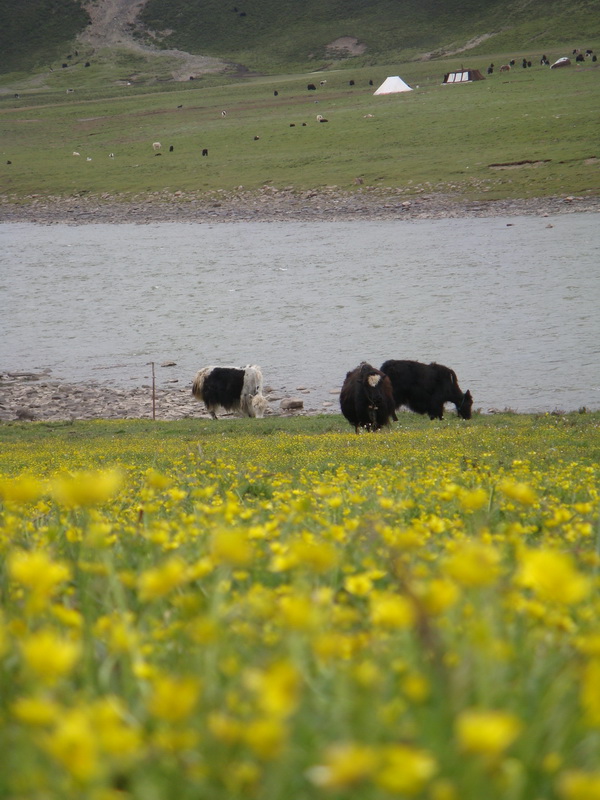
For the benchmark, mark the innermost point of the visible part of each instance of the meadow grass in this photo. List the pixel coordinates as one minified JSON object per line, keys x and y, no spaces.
{"x":280,"y":608}
{"x":434,"y":139}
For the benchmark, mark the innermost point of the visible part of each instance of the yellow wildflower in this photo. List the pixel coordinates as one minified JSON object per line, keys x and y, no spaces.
{"x":73,"y":744}
{"x":38,"y":711}
{"x":552,"y":576}
{"x":521,"y":492}
{"x":473,"y":499}
{"x":345,"y":765}
{"x":359,"y":585}
{"x":24,"y":489}
{"x":590,"y":692}
{"x":86,"y":488}
{"x":487,"y":733}
{"x":49,"y":656}
{"x":474,"y":564}
{"x":266,"y":736}
{"x":39,"y":574}
{"x":277,"y":688}
{"x":231,"y":547}
{"x":579,"y":785}
{"x":405,"y":770}
{"x":173,"y":699}
{"x":391,"y":611}
{"x":158,"y":582}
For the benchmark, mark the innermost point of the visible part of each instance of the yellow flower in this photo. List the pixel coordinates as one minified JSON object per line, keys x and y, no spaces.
{"x":438,"y":595}
{"x":473,"y":499}
{"x":266,"y":736}
{"x":552,"y":576}
{"x":24,"y":489}
{"x":487,"y":733}
{"x":49,"y":656}
{"x":36,"y":711}
{"x":590,"y":691}
{"x":231,"y":547}
{"x":359,"y":585}
{"x":156,"y":479}
{"x":173,"y":699}
{"x":474,"y":564}
{"x":579,"y":785}
{"x":73,"y":744}
{"x":521,"y":492}
{"x":37,"y":572}
{"x":317,"y":556}
{"x":392,"y":611}
{"x":277,"y":688}
{"x":159,"y":581}
{"x":345,"y":765}
{"x":405,"y":770}
{"x":86,"y":488}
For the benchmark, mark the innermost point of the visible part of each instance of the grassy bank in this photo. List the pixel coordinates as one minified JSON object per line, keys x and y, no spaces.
{"x":281,"y":608}
{"x":528,"y":133}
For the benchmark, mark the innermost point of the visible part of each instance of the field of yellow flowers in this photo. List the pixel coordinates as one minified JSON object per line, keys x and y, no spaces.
{"x":283,"y":610}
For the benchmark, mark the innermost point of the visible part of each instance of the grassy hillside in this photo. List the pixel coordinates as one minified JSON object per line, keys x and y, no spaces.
{"x":268,"y":34}
{"x":282,"y":35}
{"x":36,"y":32}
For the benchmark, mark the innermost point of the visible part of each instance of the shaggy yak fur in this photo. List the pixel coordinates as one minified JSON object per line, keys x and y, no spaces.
{"x":425,"y":388}
{"x":367,"y":399}
{"x":231,"y":388}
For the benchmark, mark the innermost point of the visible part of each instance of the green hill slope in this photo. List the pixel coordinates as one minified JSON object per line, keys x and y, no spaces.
{"x":285,"y":35}
{"x":269,"y":34}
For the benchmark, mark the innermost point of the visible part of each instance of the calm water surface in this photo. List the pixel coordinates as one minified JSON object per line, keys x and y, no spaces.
{"x":511,"y":304}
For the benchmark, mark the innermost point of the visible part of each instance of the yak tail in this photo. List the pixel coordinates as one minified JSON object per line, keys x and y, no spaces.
{"x":253,"y":386}
{"x":198,"y":384}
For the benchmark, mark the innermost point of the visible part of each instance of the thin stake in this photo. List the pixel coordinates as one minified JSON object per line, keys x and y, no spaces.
{"x":153,"y":392}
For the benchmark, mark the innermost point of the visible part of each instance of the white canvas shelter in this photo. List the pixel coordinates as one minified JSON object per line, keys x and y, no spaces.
{"x":393,"y":85}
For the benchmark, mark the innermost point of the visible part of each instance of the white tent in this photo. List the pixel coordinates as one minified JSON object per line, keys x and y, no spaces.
{"x":393,"y":85}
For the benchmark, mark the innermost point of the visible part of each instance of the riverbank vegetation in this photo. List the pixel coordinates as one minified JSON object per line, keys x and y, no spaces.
{"x":280,"y":608}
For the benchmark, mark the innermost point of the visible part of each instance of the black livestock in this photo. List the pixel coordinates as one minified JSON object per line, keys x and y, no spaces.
{"x":366,"y":399}
{"x":424,"y":388}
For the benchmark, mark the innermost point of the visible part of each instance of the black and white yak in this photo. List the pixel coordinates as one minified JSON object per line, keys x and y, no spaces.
{"x":231,"y":388}
{"x":366,"y":399}
{"x":425,"y":388}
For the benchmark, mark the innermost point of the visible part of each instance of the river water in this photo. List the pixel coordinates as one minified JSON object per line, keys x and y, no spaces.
{"x":511,"y":304}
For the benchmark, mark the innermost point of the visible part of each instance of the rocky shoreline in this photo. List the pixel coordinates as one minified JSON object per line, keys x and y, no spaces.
{"x":277,"y":205}
{"x":39,"y":396}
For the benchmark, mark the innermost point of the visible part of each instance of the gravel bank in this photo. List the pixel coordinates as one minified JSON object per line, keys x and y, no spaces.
{"x":283,"y":205}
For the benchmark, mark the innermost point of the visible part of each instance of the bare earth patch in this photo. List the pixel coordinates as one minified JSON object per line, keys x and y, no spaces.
{"x":112,"y":22}
{"x":346,"y":46}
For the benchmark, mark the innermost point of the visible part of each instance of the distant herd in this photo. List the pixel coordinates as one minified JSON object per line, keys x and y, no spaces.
{"x":369,"y":397}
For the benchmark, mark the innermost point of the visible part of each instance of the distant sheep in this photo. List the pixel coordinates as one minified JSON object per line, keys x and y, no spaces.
{"x":156,"y":145}
{"x":75,"y":153}
{"x":505,"y":68}
{"x":205,"y":151}
{"x":311,"y":87}
{"x":321,"y":118}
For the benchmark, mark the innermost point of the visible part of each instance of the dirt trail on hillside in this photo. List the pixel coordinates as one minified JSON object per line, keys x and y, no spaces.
{"x":112,"y":23}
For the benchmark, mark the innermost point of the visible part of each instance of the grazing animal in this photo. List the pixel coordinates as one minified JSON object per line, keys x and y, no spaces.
{"x":505,"y":68}
{"x":350,"y":83}
{"x":223,"y":113}
{"x":205,"y":151}
{"x":580,"y":57}
{"x":275,"y":93}
{"x":322,"y":83}
{"x":425,"y":388}
{"x":75,"y":153}
{"x":321,"y":118}
{"x":171,"y":148}
{"x":311,"y":87}
{"x":367,"y":399}
{"x":156,"y":145}
{"x":256,"y":138}
{"x":111,"y":155}
{"x":231,"y":388}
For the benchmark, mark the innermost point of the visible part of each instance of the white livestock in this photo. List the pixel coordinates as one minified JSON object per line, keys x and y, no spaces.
{"x":156,"y":145}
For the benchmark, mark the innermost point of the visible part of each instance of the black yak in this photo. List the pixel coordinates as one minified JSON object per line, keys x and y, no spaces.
{"x":232,"y":388}
{"x":366,"y":399}
{"x":425,"y":388}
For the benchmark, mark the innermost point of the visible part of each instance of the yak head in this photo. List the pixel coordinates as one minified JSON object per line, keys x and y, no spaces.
{"x":466,"y":404}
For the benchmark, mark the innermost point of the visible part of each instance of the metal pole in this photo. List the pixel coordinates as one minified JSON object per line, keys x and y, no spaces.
{"x":153,"y":392}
